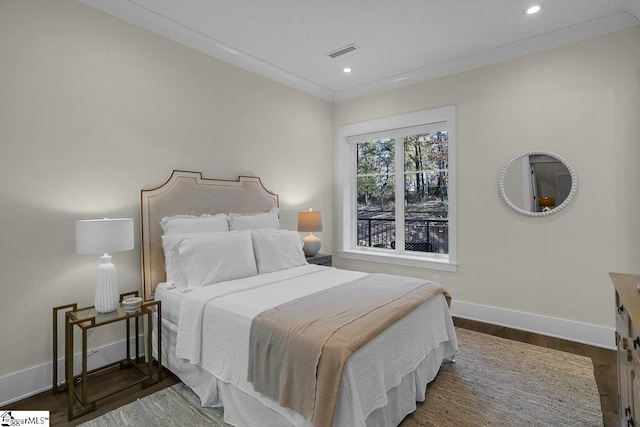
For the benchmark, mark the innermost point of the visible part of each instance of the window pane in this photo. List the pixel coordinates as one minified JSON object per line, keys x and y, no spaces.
{"x":376,"y":157}
{"x":376,"y":211}
{"x":426,"y":193}
{"x":426,"y":152}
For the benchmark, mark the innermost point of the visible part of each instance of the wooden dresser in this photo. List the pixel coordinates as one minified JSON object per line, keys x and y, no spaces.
{"x":628,"y":343}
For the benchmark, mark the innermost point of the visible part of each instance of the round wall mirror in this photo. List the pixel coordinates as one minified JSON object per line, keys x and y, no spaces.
{"x":538,"y":183}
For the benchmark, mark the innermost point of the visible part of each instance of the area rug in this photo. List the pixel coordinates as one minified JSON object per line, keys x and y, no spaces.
{"x":493,"y":382}
{"x":500,"y":382}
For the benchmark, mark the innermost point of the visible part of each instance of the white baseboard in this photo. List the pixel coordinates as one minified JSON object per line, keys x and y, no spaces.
{"x":28,"y":382}
{"x":22,"y":384}
{"x":585,"y":333}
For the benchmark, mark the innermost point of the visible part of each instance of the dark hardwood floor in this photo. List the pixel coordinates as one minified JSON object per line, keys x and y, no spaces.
{"x":604,"y":363}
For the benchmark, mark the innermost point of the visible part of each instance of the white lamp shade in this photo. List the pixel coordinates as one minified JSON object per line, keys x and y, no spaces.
{"x":310,"y":221}
{"x":96,"y":236}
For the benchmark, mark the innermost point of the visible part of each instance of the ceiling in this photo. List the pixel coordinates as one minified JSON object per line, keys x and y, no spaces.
{"x":398,"y":42}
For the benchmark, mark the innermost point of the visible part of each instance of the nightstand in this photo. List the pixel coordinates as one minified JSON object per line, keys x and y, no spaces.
{"x":320,"y":259}
{"x":90,"y":386}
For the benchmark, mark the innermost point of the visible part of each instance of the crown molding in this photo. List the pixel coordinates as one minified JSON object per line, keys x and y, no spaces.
{"x":608,"y":24}
{"x":142,"y":17}
{"x":156,"y":23}
{"x":633,"y":7}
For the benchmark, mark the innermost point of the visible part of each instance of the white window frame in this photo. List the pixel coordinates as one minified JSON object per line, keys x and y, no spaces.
{"x":347,"y":209}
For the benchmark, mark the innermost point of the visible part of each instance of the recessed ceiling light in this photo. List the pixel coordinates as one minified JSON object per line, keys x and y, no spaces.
{"x":346,"y":70}
{"x":533,"y":9}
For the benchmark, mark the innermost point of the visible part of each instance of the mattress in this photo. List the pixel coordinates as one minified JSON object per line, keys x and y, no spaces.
{"x":171,"y":300}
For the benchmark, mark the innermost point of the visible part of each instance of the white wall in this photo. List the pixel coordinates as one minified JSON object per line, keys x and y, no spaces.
{"x":92,"y":110}
{"x":581,"y":101}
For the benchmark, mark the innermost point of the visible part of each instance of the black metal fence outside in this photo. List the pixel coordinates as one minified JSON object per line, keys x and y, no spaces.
{"x":421,"y":235}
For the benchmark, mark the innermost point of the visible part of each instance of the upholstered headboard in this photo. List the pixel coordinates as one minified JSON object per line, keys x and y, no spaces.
{"x":187,"y":193}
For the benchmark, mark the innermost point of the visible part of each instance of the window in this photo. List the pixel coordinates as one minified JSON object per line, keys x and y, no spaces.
{"x":398,"y":190}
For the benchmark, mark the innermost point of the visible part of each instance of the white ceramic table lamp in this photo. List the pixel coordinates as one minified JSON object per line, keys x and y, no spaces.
{"x":101,"y":236}
{"x":311,"y":221}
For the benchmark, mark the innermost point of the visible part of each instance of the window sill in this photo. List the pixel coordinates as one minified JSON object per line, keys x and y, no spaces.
{"x":419,"y":261}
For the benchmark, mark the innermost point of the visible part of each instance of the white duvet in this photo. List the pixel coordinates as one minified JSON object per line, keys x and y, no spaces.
{"x":215,"y":321}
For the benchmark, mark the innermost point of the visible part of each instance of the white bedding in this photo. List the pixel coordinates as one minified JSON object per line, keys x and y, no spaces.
{"x":214,"y":325}
{"x":238,"y":301}
{"x":171,"y":302}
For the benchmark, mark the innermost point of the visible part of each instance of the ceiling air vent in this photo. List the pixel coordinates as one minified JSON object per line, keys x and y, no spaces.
{"x":343,"y":50}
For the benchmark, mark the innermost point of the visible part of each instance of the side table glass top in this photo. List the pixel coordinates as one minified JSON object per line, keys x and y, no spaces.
{"x":88,"y":316}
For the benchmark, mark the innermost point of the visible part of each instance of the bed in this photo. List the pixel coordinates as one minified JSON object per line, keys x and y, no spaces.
{"x":208,"y":332}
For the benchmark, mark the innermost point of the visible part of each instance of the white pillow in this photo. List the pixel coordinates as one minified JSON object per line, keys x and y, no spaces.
{"x":216,"y":257}
{"x":255,"y":221}
{"x":175,"y":277}
{"x":277,"y":250}
{"x":182,"y":224}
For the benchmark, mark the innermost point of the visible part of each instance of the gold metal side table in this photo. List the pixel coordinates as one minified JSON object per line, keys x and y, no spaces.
{"x":77,"y":386}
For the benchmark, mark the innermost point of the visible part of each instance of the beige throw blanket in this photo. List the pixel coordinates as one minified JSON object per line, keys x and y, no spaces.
{"x":297,"y":350}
